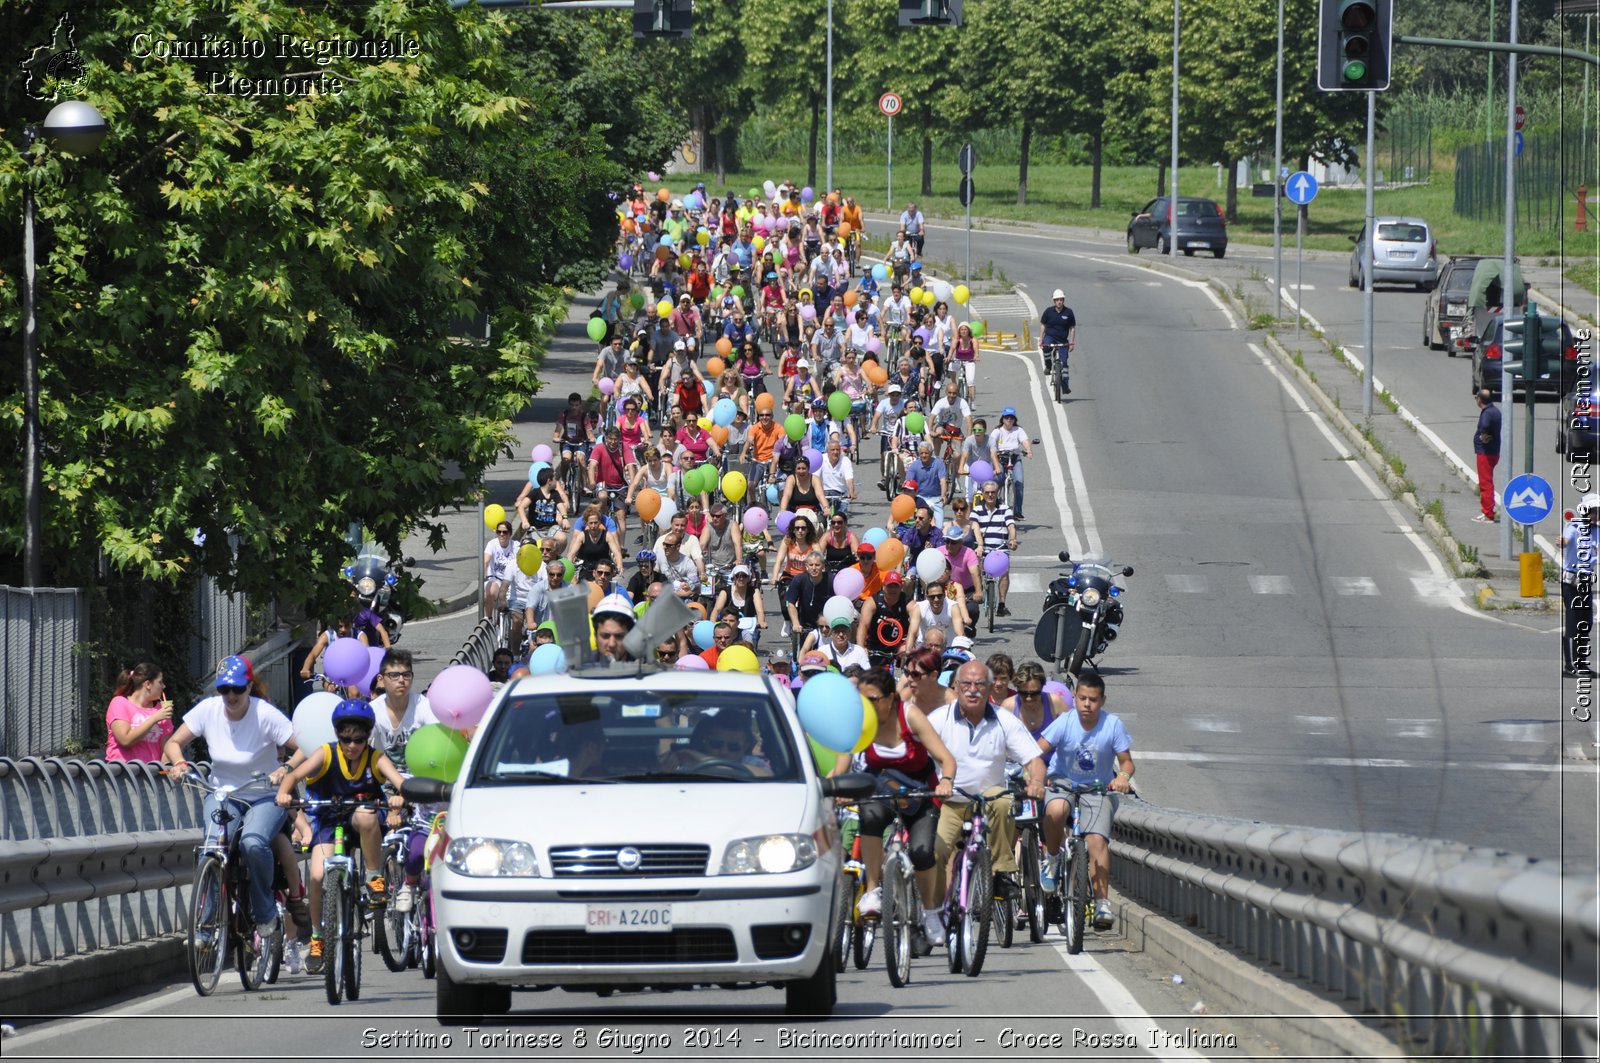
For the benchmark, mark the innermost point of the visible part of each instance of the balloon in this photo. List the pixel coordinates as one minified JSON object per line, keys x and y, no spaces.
{"x":663,"y":309}
{"x":849,"y":583}
{"x":374,"y":662}
{"x":808,"y":312}
{"x":624,"y":262}
{"x":941,"y":290}
{"x":738,"y":659}
{"x":785,"y":519}
{"x":875,"y":345}
{"x":996,"y":563}
{"x":738,"y":291}
{"x":607,"y":385}
{"x":345,"y":662}
{"x":685,"y":261}
{"x":981,"y":472}
{"x":720,"y":434}
{"x":869,"y":726}
{"x":667,"y":241}
{"x":568,"y":570}
{"x":529,"y":559}
{"x":636,"y":300}
{"x":876,"y":374}
{"x":668,"y":510}
{"x":807,"y":194}
{"x":724,"y":412}
{"x":928,"y":298}
{"x":704,"y":634}
{"x":703,"y":238}
{"x":760,"y":243}
{"x":434,"y":751}
{"x":931,"y":565}
{"x":691,"y":482}
{"x":1056,"y":688}
{"x":978,"y":328}
{"x":838,"y":607}
{"x":830,"y":710}
{"x":890,"y":554}
{"x":795,"y":426}
{"x":493,"y":514}
{"x":313,"y":720}
{"x":548,"y":659}
{"x":460,"y":695}
{"x":961,"y":294}
{"x":814,"y":456}
{"x":691,"y":662}
{"x":648,"y":503}
{"x":661,"y":193}
{"x":875,"y":536}
{"x":597,"y":329}
{"x":753,"y":193}
{"x":595,"y":594}
{"x":733,"y":486}
{"x":839,"y":405}
{"x":880,"y":273}
{"x":915,"y":423}
{"x":772,"y":494}
{"x":903,"y":508}
{"x":845,"y":228}
{"x":765,"y":402}
{"x":724,"y":348}
{"x":755,"y":520}
{"x":916,"y":294}
{"x":542,"y":452}
{"x":822,"y":756}
{"x":538,"y":466}
{"x":851,"y":297}
{"x":704,"y":424}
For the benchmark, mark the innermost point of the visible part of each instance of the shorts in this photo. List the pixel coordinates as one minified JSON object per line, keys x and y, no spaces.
{"x":1095,"y":811}
{"x":969,"y":369}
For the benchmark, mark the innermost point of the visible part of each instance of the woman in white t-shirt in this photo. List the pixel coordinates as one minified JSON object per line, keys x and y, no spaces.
{"x":246,"y":737}
{"x":498,"y":555}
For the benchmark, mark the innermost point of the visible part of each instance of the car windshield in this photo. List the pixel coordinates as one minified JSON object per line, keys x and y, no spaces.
{"x":637,"y":736}
{"x":1403,"y":233}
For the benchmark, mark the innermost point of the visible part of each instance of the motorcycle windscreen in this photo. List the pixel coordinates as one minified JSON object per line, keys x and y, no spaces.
{"x":1044,"y":636}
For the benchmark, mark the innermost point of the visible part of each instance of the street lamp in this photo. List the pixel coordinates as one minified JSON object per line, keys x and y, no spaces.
{"x":77,"y":128}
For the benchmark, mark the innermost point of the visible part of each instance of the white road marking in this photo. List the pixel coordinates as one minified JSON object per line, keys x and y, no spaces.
{"x":1026,"y":583}
{"x":1213,"y":724}
{"x":30,"y":1036}
{"x":1521,"y":732}
{"x":1291,"y":761}
{"x":1271,"y":585}
{"x":1403,"y":728}
{"x":1352,"y":585}
{"x":1318,"y":725}
{"x":1186,"y":584}
{"x":1434,"y":587}
{"x":1304,"y":287}
{"x":1121,"y":1007}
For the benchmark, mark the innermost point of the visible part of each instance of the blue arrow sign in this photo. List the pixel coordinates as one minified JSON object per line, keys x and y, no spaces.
{"x":1528,"y":499}
{"x":1301,"y":188}
{"x":1519,"y":142}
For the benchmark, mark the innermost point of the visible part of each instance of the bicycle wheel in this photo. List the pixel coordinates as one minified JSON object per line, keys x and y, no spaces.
{"x":355,"y":921}
{"x":866,"y":938}
{"x":954,"y":913}
{"x":977,"y":914}
{"x":1005,"y":917}
{"x":1032,"y":892}
{"x":426,"y":946}
{"x":847,"y":926}
{"x":389,"y":930}
{"x":898,"y":911}
{"x":1077,"y":895}
{"x":251,"y":954}
{"x":991,"y":598}
{"x":275,"y":952}
{"x":333,"y":935}
{"x":207,"y":926}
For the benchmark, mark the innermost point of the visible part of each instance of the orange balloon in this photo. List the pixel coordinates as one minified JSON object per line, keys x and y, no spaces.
{"x":902,"y":509}
{"x":833,"y":199}
{"x":697,"y":609}
{"x":663,"y":195}
{"x":877,"y":374}
{"x":715,"y":365}
{"x":595,"y":594}
{"x":764,"y":402}
{"x":720,"y":434}
{"x":845,"y":229}
{"x":891,"y":552}
{"x":850,"y":297}
{"x":628,"y":225}
{"x":724,"y":348}
{"x":648,"y":503}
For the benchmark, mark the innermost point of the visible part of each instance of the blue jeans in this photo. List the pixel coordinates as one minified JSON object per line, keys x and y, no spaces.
{"x":261,"y":822}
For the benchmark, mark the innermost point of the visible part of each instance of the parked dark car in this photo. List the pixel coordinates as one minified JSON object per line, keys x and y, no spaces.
{"x":1578,"y":434}
{"x":1446,"y":306}
{"x":1487,"y":356}
{"x":1201,"y":227}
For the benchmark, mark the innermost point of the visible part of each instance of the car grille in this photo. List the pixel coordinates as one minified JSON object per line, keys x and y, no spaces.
{"x":654,"y":860}
{"x":565,"y":948}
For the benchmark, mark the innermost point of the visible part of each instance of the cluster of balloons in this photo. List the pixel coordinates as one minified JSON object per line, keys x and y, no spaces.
{"x":836,"y":718}
{"x":350,"y":662}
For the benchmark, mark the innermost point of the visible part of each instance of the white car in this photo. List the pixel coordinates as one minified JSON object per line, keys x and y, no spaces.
{"x":619,"y":829}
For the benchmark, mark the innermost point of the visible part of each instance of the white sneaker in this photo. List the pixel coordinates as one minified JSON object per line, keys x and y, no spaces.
{"x":1050,"y":872}
{"x":933,"y":927}
{"x":265,"y":930}
{"x":293,"y":962}
{"x":404,"y":898}
{"x":871,"y":902}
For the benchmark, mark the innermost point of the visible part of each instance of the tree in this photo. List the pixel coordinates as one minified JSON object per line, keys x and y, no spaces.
{"x":785,"y":66}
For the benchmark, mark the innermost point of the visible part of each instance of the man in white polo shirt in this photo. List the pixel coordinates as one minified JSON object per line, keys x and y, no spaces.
{"x":982,"y":739}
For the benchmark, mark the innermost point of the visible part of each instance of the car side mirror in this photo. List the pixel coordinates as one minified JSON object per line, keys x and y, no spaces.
{"x":1355,"y":239}
{"x":422,"y":791}
{"x":409,"y":562}
{"x":1127,"y":570}
{"x":1065,"y":557}
{"x":854,"y":785}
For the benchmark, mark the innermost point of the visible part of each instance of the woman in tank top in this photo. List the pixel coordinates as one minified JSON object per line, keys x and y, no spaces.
{"x":803,"y":491}
{"x":839,"y":545}
{"x":1036,"y":709}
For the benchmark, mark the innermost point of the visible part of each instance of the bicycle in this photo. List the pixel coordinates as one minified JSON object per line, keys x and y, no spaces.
{"x":900,"y":921}
{"x":970,"y":907}
{"x":890,"y":465}
{"x":392,"y":937}
{"x":346,"y":906}
{"x":857,"y":933}
{"x":1072,"y":895}
{"x":1050,"y":352}
{"x":220,"y":921}
{"x":1006,"y":473}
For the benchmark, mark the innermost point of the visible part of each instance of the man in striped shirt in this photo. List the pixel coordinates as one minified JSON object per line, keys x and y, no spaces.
{"x":997,"y":530}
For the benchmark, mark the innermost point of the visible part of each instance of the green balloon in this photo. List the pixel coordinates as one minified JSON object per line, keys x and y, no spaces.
{"x":716,"y":294}
{"x":977,"y":327}
{"x":753,"y":193}
{"x":795,"y":426}
{"x":738,"y":291}
{"x":569,"y":568}
{"x":597,"y":329}
{"x":692,"y":481}
{"x":839,"y":405}
{"x":915,"y":423}
{"x":636,"y":300}
{"x":436,"y":752}
{"x":822,"y":755}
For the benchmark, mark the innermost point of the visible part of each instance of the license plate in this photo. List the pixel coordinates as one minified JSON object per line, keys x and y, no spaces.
{"x":1456,"y":309}
{"x":1401,"y":254}
{"x":1201,"y":243}
{"x":629,"y":918}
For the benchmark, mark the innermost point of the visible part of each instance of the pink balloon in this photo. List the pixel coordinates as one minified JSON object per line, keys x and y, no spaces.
{"x":1058,"y":689}
{"x":606,"y":385}
{"x":375,"y":655}
{"x":784,"y":520}
{"x":691,"y":662}
{"x":849,"y":583}
{"x":460,"y":695}
{"x":345,"y":662}
{"x":808,"y":312}
{"x":997,"y":563}
{"x":874,"y":345}
{"x":755,"y":520}
{"x":542,"y":452}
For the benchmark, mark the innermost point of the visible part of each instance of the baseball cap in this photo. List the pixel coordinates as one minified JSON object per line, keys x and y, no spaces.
{"x":894,"y":389}
{"x":960,"y":642}
{"x":840,"y":621}
{"x":866,"y":548}
{"x":910,"y":485}
{"x":680,"y":346}
{"x":234,"y":672}
{"x":740,"y":570}
{"x":685,"y":298}
{"x":1057,"y":294}
{"x":803,"y":362}
{"x":813,"y":661}
{"x":892,"y":577}
{"x":1009,"y":411}
{"x":677,"y":204}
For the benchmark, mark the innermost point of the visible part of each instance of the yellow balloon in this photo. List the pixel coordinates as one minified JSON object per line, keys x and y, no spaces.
{"x":916,"y":295}
{"x":529,"y":559}
{"x":493,"y":514}
{"x":760,"y":242}
{"x":664,"y":308}
{"x":685,"y":261}
{"x":869,"y":726}
{"x":737,"y":659}
{"x":733,"y":486}
{"x":962,"y":294}
{"x":928,"y":298}
{"x":705,"y":424}
{"x":702,"y":238}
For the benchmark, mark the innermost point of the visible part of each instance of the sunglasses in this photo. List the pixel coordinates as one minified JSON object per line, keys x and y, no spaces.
{"x":1030,"y":695}
{"x":731,"y":745}
{"x":231,"y":690}
{"x":502,"y":531}
{"x":353,"y":740}
{"x":917,"y":673}
{"x":602,"y":573}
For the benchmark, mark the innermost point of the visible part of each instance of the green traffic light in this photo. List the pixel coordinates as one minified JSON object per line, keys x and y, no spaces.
{"x":1355,"y":70}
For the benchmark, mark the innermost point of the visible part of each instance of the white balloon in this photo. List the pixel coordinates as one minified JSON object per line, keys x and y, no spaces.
{"x":770,"y":189}
{"x":836,"y":607}
{"x":930,"y":565}
{"x":942,"y":291}
{"x":313,"y":720}
{"x":668,"y":508}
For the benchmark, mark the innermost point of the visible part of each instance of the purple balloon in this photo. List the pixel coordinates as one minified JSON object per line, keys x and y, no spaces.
{"x":981,"y":472}
{"x":1058,"y":689}
{"x":874,"y":345}
{"x":997,"y":563}
{"x":460,"y":695}
{"x":625,"y":262}
{"x":814,"y":456}
{"x":755,"y":520}
{"x":375,"y":653}
{"x":807,"y":195}
{"x":849,"y":583}
{"x":345,"y":662}
{"x":542,"y":452}
{"x":784,"y":520}
{"x":691,"y":662}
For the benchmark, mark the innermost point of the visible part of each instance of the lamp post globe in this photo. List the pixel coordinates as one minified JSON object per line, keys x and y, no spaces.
{"x":75,"y":126}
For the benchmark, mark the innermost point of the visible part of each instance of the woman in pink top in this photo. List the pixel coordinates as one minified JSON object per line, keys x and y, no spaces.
{"x":138,"y":720}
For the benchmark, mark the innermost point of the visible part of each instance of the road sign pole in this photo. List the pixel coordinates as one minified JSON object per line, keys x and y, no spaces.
{"x":1299,"y":263}
{"x":1277,"y":193}
{"x":969,"y":242}
{"x":889,"y":174}
{"x":1366,"y":265}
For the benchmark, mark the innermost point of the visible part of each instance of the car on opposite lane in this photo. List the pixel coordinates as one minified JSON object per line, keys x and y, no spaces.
{"x":1446,"y":306}
{"x":1404,"y":253}
{"x":1201,"y":227}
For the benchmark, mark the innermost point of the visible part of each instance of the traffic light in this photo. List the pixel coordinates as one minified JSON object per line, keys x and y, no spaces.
{"x":1354,"y":44}
{"x":662,"y":18}
{"x":1547,"y":355}
{"x":930,"y":13}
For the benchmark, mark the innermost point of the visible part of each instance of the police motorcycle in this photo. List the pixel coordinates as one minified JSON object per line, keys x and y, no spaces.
{"x":373,"y":581}
{"x":1082,"y":613}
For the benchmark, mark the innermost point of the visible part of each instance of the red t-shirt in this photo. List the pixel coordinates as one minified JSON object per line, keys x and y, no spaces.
{"x":691,"y":396}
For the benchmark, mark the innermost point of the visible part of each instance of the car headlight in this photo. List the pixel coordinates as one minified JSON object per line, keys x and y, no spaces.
{"x":491,"y":858}
{"x":1090,"y":597}
{"x":769,"y":854}
{"x":366,"y":586}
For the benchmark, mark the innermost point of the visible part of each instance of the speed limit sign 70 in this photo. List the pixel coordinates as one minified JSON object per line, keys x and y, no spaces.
{"x":890,"y":104}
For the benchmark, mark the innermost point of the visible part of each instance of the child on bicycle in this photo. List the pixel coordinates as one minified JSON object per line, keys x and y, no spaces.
{"x":361,"y":770}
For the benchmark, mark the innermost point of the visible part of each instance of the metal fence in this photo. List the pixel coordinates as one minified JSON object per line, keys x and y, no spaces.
{"x":43,"y":681}
{"x":1410,"y":147}
{"x":479,"y":648}
{"x":1548,"y":173}
{"x":1465,"y":950}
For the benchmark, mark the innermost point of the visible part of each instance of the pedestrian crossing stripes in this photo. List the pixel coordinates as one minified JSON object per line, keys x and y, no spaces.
{"x":1186,"y":584}
{"x":1349,"y":585}
{"x":1437,"y":587}
{"x":1271,"y":585}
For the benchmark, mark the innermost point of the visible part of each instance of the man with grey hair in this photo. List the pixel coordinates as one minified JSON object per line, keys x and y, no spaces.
{"x":982,"y":739}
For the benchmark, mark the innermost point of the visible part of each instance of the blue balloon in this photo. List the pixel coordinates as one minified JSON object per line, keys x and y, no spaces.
{"x":880,"y":273}
{"x":666,"y":240}
{"x":830,"y":711}
{"x":772,"y":494}
{"x":875,"y":536}
{"x":535,"y":469}
{"x":704,"y":635}
{"x":547,"y":660}
{"x":724,"y":412}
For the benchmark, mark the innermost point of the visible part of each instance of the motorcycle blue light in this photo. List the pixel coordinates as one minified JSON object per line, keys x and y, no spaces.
{"x":390,"y":579}
{"x":349,"y":570}
{"x":1072,"y":581}
{"x":1115,"y":591}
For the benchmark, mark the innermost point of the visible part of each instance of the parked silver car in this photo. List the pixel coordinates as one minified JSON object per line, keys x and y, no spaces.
{"x":1405,"y":252}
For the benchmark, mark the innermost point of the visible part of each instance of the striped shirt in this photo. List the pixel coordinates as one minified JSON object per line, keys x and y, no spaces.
{"x":992,"y":525}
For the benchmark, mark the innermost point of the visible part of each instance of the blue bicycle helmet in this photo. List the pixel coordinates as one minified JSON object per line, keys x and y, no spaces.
{"x":356,"y":711}
{"x":916,"y":267}
{"x":819,"y":404}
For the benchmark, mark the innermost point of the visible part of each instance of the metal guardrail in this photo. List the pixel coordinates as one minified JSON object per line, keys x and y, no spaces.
{"x":43,"y":681}
{"x":93,"y":854}
{"x":1463,"y":949}
{"x":479,"y":648}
